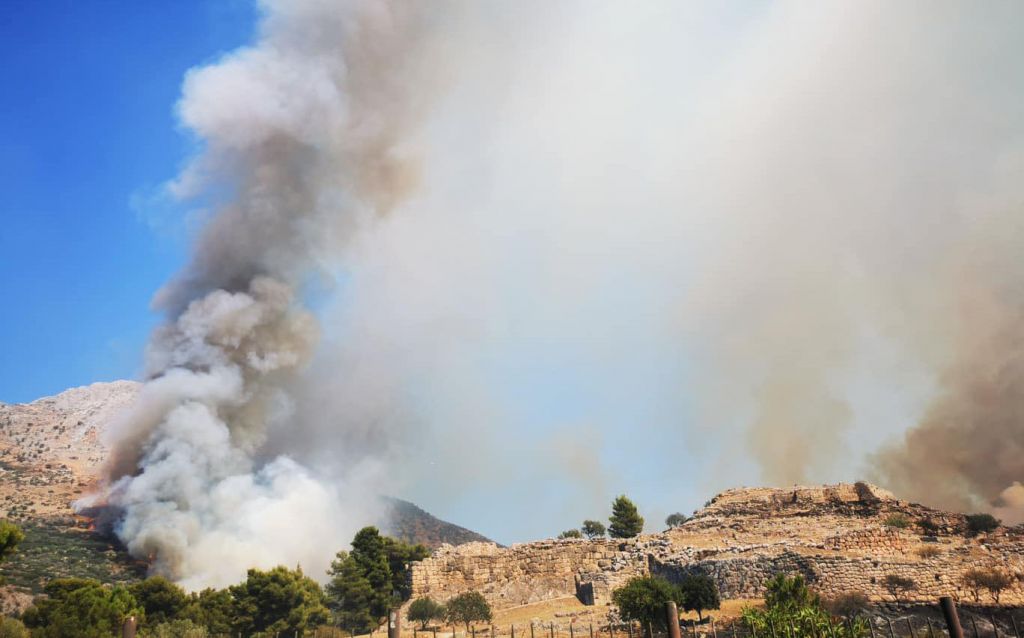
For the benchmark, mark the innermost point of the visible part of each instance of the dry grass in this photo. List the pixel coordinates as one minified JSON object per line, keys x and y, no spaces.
{"x":928,"y":551}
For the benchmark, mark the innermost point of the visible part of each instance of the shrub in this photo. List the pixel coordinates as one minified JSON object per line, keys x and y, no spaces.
{"x":467,"y":608}
{"x":12,"y":628}
{"x":980,"y":523}
{"x":790,"y":604}
{"x":423,"y":610}
{"x":928,"y":551}
{"x":675,"y":520}
{"x":898,"y":585}
{"x":928,"y":526}
{"x":593,"y":529}
{"x":571,"y":533}
{"x":848,"y":605}
{"x":897,"y":521}
{"x":993,"y":580}
{"x":625,"y":520}
{"x":789,"y":593}
{"x":10,"y":536}
{"x":972,"y":580}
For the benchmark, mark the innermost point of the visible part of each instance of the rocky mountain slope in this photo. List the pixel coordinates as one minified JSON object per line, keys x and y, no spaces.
{"x":413,"y":525}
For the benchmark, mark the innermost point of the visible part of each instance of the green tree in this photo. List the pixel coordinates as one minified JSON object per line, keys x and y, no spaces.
{"x":468,"y":607}
{"x":675,"y":520}
{"x":10,"y":536}
{"x":80,"y":608}
{"x":369,"y":551}
{"x":213,"y":609}
{"x":161,"y":599}
{"x":979,"y":523}
{"x":642,"y":599}
{"x":278,"y":600}
{"x":571,"y":533}
{"x":350,"y":596}
{"x":12,"y":628}
{"x":699,"y":593}
{"x":423,"y":610}
{"x":400,"y":558}
{"x":625,"y":520}
{"x":593,"y":529}
{"x":369,"y":581}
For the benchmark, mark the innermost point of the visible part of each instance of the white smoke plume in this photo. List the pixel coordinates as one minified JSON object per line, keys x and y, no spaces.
{"x":720,"y":245}
{"x":304,"y":138}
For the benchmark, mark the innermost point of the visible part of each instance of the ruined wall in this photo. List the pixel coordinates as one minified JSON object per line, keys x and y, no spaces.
{"x":527,"y":573}
{"x":832,"y":575}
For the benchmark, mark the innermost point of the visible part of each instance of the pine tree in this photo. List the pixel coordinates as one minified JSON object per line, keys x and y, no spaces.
{"x":625,"y":521}
{"x":370,"y":554}
{"x":350,"y":595}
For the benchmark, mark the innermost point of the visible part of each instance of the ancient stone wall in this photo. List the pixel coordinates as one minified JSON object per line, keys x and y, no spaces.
{"x":527,"y":573}
{"x":873,"y":540}
{"x":832,"y":575}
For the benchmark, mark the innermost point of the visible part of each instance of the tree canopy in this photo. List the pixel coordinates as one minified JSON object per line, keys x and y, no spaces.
{"x":642,"y":599}
{"x":161,"y":599}
{"x":369,"y":581}
{"x":423,"y":610}
{"x":80,"y":608}
{"x":468,"y":607}
{"x":675,"y":520}
{"x":571,"y":533}
{"x":625,"y":521}
{"x":278,"y":600}
{"x":593,"y":529}
{"x":699,"y":593}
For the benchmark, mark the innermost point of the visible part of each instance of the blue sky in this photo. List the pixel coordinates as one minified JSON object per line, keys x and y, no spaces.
{"x":87,"y":127}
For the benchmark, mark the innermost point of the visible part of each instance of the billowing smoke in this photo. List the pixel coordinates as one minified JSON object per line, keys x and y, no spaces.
{"x":305,"y":136}
{"x":715,"y":247}
{"x":657,"y":248}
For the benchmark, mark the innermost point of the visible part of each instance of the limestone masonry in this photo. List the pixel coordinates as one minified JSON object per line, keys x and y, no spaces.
{"x":836,"y":536}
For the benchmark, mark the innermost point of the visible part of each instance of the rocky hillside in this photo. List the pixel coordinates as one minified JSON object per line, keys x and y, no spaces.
{"x":413,"y":525}
{"x":842,"y":538}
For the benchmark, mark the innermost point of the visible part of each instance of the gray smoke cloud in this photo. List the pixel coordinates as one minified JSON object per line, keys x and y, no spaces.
{"x":660,"y":249}
{"x":745,"y":245}
{"x":305,"y":136}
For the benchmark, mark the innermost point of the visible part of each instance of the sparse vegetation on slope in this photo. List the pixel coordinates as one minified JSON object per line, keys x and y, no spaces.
{"x":51,"y":550}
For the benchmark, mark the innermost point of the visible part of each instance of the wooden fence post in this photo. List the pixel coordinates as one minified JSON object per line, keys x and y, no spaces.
{"x":672,"y":620}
